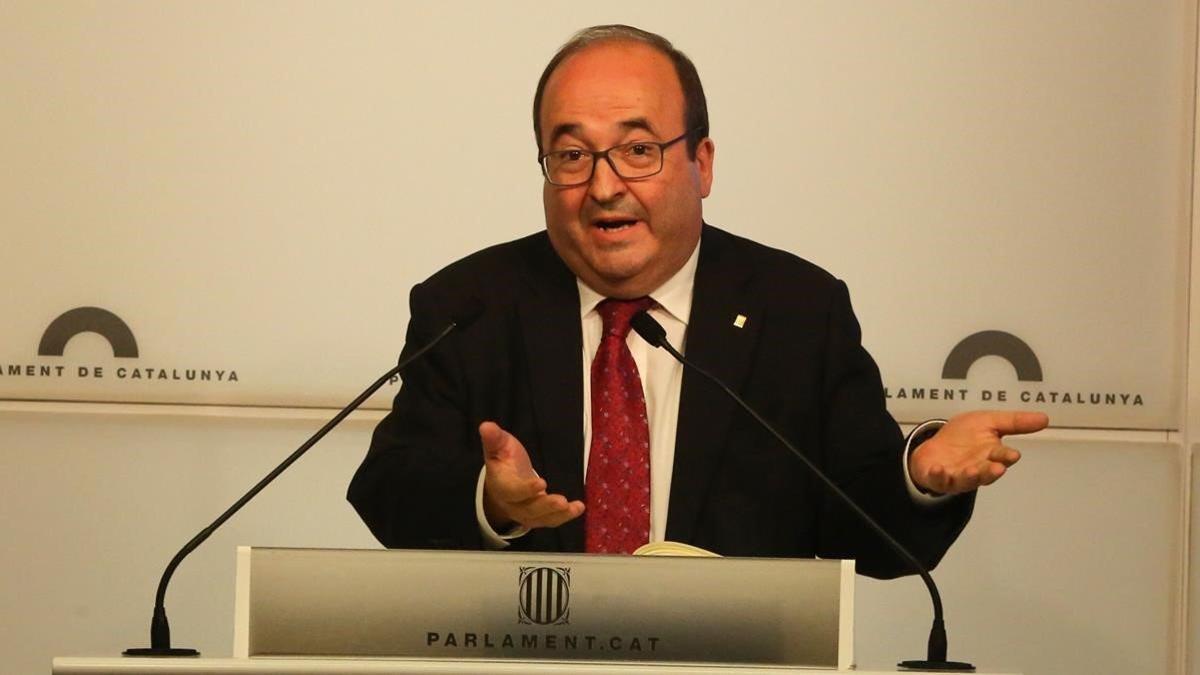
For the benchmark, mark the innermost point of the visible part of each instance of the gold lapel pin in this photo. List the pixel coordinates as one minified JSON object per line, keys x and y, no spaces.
{"x":739,"y":321}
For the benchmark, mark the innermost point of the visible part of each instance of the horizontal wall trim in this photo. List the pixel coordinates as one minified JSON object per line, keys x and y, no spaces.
{"x":183,"y":410}
{"x":372,"y":416}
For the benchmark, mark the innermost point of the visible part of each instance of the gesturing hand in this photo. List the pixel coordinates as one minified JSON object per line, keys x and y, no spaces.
{"x":512,"y":490}
{"x":967,"y":451}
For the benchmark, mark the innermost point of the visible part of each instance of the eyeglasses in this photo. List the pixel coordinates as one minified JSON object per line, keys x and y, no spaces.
{"x":640,"y":159}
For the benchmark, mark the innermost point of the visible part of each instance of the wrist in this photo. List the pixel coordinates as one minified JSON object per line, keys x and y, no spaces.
{"x":918,"y":437}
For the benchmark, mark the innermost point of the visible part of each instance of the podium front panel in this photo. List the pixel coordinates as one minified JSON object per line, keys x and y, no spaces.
{"x":500,"y":605}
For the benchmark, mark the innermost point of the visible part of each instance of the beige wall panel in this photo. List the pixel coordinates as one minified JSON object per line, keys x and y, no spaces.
{"x":1193,"y":575}
{"x":253,"y":187}
{"x":96,"y":505}
{"x":1069,"y":567}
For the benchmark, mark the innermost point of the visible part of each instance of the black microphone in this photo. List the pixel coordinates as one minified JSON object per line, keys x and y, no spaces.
{"x":653,"y":333}
{"x":160,"y":629}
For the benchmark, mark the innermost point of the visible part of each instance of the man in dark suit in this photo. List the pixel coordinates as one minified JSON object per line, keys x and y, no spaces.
{"x":501,"y":436}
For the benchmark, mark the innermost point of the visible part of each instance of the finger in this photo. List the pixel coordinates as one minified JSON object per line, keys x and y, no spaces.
{"x":968,"y":479}
{"x":973,"y":476}
{"x":536,"y":507}
{"x":496,"y":441}
{"x":549,"y":511}
{"x":1016,"y":422}
{"x":991,"y":474}
{"x":954,"y":481}
{"x":513,"y":490}
{"x":573,"y":511}
{"x":515,"y":510}
{"x":935,"y":480}
{"x":1004,"y":455}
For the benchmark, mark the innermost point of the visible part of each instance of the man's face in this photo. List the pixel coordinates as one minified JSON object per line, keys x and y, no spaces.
{"x":624,"y":238}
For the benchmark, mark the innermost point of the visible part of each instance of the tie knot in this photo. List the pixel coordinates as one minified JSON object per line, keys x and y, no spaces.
{"x":617,"y":313}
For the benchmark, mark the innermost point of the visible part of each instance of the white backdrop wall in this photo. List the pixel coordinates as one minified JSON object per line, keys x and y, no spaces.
{"x":253,"y":187}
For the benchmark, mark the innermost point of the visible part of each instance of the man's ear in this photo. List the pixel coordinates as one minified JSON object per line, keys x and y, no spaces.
{"x":705,"y":153}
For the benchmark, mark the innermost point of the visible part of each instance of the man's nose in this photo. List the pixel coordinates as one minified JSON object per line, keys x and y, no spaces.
{"x":606,"y":185}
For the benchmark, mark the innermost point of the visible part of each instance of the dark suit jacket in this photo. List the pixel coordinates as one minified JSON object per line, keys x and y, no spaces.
{"x":734,"y":490}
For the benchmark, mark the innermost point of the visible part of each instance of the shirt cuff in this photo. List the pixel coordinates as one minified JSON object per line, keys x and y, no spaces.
{"x":922,"y":433}
{"x":491,"y":539}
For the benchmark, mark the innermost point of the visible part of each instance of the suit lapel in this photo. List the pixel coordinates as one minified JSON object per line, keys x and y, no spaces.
{"x":724,"y":349}
{"x":550,"y":326}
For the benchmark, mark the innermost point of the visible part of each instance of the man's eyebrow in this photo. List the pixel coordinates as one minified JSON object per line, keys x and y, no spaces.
{"x":637,"y":123}
{"x":565,"y":129}
{"x":574,"y":128}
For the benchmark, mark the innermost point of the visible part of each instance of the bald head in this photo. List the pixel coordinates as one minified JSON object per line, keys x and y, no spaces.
{"x":695,"y":106}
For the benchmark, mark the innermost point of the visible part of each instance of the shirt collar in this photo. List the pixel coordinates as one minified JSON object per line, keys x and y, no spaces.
{"x":674,"y":296}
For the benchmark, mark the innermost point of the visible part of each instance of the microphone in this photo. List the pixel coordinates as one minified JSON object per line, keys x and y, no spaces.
{"x":653,"y":333}
{"x":160,"y":629}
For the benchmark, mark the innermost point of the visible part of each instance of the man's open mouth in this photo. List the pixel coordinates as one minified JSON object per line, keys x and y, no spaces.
{"x":614,"y":223}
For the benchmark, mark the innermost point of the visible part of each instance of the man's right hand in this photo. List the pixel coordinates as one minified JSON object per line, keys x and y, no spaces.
{"x":513,"y":493}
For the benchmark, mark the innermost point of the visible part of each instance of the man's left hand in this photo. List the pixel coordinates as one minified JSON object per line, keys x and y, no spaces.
{"x":967,"y":451}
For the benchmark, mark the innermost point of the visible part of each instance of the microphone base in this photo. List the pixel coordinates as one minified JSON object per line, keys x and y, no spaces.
{"x":160,"y":651}
{"x":937,"y":666}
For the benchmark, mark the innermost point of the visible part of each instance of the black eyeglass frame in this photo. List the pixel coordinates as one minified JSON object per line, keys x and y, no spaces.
{"x":603,"y":154}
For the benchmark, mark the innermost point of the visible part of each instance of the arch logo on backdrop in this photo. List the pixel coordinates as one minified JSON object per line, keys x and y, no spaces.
{"x":128,"y":365}
{"x":1031,"y":389}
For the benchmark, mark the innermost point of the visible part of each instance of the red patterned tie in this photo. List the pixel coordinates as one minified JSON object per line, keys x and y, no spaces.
{"x":617,"y":491}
